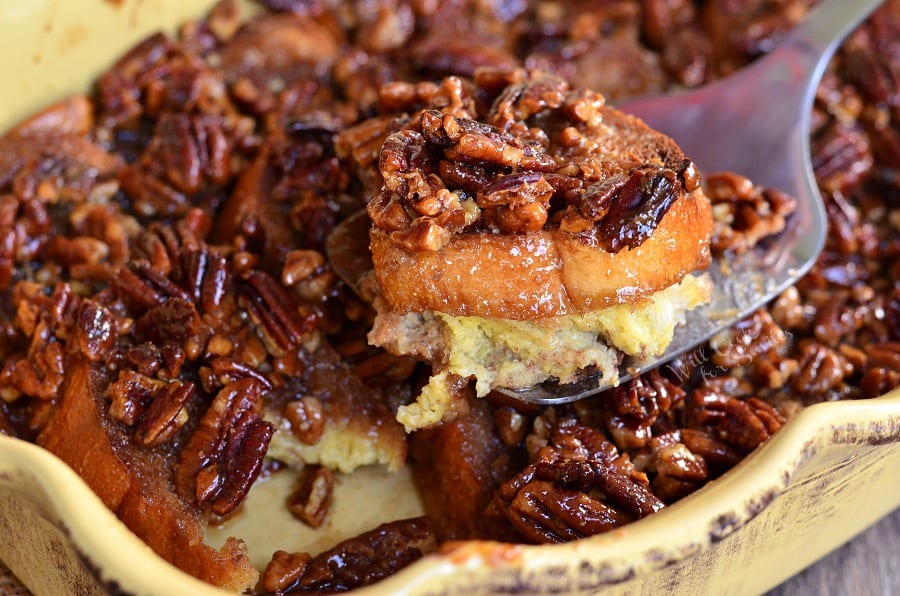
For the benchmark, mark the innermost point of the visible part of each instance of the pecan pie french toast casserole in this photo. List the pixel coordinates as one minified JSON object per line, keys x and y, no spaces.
{"x":173,"y":329}
{"x":540,"y":238}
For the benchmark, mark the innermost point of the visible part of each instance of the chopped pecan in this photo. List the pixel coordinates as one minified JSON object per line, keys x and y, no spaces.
{"x":46,"y":321}
{"x":311,"y":499}
{"x":45,"y":168}
{"x":130,"y":394}
{"x":484,"y":144}
{"x":146,"y":358}
{"x":388,"y":213}
{"x":678,"y":470}
{"x":41,"y":374}
{"x":185,"y":84}
{"x":744,"y":214}
{"x":118,"y":88}
{"x":423,"y":234}
{"x":300,"y":265}
{"x":510,"y":425}
{"x":788,"y":311}
{"x":520,"y":101}
{"x":96,"y":331}
{"x":171,"y":322}
{"x":520,"y":180}
{"x":307,"y":419}
{"x":284,"y":570}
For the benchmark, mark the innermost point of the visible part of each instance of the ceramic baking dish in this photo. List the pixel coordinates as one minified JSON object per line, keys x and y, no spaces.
{"x":829,"y":474}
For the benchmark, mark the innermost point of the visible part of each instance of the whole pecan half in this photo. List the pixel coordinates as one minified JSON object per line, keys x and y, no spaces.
{"x":224,"y":455}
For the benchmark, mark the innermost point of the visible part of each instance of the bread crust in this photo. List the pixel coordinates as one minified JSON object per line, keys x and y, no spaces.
{"x":541,"y":274}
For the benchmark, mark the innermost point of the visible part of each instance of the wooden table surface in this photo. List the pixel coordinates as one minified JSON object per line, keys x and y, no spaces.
{"x":868,"y":565}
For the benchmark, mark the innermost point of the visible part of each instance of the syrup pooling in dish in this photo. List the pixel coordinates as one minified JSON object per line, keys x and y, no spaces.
{"x":167,"y":300}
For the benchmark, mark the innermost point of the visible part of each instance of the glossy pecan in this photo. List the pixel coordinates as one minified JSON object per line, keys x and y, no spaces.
{"x":678,"y":471}
{"x":312,"y":497}
{"x":633,"y":408}
{"x":307,"y":419}
{"x":877,"y":381}
{"x":641,"y":203}
{"x":189,"y":152}
{"x":521,"y":181}
{"x":165,"y":414}
{"x":360,"y":561}
{"x":520,"y":101}
{"x":224,"y":454}
{"x":747,"y":341}
{"x":46,"y":320}
{"x":130,"y":394}
{"x":634,"y":498}
{"x":273,"y":309}
{"x":743,"y":424}
{"x":842,"y":157}
{"x":822,"y":371}
{"x":717,"y":454}
{"x":743,"y":213}
{"x":118,"y":88}
{"x":284,"y":570}
{"x":96,"y":331}
{"x":884,"y":355}
{"x":544,"y":513}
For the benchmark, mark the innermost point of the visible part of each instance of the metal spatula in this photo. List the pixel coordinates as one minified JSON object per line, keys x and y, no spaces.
{"x":755,"y":122}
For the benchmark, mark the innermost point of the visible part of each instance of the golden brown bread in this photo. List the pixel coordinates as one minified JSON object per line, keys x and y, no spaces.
{"x":542,"y":274}
{"x":133,"y":487}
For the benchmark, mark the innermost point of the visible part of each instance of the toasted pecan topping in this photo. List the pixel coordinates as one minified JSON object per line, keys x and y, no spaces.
{"x":454,"y":169}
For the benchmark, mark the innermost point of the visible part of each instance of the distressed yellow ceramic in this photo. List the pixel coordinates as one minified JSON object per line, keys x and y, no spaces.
{"x":829,"y":474}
